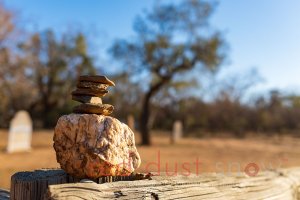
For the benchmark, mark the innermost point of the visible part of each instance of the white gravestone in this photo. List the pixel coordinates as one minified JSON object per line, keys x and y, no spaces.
{"x":20,"y":130}
{"x":177,"y":131}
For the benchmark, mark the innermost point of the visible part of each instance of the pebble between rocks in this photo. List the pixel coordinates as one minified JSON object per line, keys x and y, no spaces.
{"x":87,"y":99}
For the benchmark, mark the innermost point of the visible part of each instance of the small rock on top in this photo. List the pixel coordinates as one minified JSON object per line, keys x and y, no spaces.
{"x":97,"y":79}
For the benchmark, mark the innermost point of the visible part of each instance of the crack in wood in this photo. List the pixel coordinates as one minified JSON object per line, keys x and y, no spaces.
{"x":119,"y":194}
{"x":154,"y":195}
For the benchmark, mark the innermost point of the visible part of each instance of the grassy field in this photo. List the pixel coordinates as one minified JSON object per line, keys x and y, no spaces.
{"x":221,"y":155}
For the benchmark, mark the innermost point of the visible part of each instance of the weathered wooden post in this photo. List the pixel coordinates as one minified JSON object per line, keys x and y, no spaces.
{"x":34,"y":185}
{"x":268,"y":185}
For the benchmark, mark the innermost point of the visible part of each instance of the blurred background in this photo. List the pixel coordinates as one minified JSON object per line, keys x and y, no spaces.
{"x":227,"y":70}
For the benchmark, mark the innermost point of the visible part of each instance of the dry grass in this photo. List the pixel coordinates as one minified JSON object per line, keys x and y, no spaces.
{"x":213,"y":154}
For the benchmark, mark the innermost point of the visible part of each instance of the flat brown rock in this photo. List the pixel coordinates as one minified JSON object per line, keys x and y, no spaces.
{"x":88,"y":108}
{"x":90,"y":92}
{"x":87,"y":99}
{"x":97,"y":79}
{"x":92,"y":85}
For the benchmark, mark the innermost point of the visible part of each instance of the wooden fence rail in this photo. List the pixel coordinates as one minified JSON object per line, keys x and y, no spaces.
{"x":276,"y":184}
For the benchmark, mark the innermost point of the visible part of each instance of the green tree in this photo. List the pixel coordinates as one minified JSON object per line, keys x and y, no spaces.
{"x":54,"y":63}
{"x":170,"y":40}
{"x":12,"y":72}
{"x":38,"y":70}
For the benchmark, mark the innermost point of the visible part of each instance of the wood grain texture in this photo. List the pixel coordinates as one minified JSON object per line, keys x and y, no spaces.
{"x":281,"y":184}
{"x":33,"y":185}
{"x":56,"y":185}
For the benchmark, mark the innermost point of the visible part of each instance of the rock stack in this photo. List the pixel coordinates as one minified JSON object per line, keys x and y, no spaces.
{"x":88,"y":143}
{"x":89,"y":91}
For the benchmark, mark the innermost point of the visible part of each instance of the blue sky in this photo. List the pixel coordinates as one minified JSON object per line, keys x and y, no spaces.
{"x":264,"y":34}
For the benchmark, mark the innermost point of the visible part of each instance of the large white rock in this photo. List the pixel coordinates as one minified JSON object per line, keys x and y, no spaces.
{"x":90,"y":146}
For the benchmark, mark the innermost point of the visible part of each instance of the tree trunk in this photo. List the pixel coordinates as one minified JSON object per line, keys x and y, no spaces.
{"x":144,"y":120}
{"x":145,"y":113}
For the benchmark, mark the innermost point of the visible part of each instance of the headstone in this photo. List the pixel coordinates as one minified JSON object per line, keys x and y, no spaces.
{"x":177,"y":131}
{"x":130,"y":122}
{"x":20,"y":130}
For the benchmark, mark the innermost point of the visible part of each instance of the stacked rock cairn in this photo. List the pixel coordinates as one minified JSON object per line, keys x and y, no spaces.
{"x":88,"y":92}
{"x":89,"y":144}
